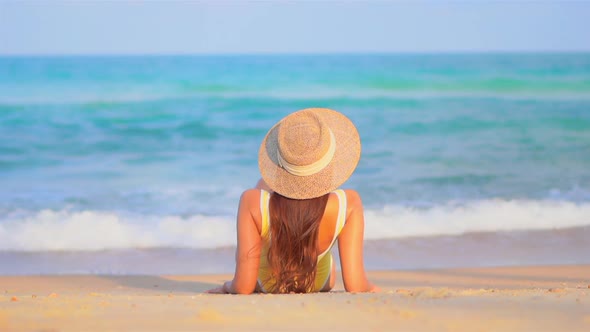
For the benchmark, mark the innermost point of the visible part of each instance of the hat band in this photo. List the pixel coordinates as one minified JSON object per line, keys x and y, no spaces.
{"x":313,"y":168}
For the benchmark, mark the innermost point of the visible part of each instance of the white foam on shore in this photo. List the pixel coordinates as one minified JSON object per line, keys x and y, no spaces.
{"x":95,"y":230}
{"x":479,"y":216}
{"x":50,"y":230}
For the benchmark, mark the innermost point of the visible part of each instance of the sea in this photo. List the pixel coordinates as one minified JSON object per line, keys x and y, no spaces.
{"x":135,"y":164}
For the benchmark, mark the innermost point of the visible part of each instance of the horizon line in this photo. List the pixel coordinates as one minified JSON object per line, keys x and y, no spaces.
{"x":155,"y":54}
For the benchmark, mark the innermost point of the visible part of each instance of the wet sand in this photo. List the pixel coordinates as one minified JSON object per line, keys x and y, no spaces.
{"x":542,"y":298}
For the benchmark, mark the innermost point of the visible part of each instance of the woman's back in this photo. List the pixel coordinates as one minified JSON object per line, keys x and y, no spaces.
{"x":316,"y":275}
{"x":251,"y":242}
{"x":327,"y":225}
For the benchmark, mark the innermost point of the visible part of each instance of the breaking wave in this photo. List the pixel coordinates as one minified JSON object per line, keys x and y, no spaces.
{"x":50,"y":230}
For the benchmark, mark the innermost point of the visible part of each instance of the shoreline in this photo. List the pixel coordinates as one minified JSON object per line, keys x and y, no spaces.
{"x":475,"y":249}
{"x":517,"y":298}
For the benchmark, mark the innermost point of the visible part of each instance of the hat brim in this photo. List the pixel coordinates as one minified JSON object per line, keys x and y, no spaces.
{"x":341,"y":167}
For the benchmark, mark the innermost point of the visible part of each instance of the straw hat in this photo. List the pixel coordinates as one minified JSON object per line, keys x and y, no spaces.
{"x":309,"y":153}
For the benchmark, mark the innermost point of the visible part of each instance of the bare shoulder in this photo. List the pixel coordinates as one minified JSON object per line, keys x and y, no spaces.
{"x":354,"y":204}
{"x":353,"y":198}
{"x":250,"y":197}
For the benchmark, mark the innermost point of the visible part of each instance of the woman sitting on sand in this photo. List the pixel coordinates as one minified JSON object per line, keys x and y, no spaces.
{"x":288,"y":224}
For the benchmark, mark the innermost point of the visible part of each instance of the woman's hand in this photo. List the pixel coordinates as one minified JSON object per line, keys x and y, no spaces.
{"x":223,"y":289}
{"x":217,"y":290}
{"x":374,"y":289}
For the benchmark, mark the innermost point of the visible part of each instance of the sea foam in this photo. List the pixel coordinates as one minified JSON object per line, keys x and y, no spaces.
{"x":50,"y":230}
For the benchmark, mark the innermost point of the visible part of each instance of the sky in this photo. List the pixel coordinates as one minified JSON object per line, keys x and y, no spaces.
{"x":244,"y":27}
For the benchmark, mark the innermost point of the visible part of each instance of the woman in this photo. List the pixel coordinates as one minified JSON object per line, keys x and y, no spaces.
{"x":287,"y":225}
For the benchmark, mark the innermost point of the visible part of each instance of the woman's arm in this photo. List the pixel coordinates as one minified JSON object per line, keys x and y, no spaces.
{"x":350,"y":246}
{"x":248,"y":249}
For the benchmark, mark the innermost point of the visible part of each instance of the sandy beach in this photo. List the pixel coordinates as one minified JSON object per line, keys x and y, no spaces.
{"x":540,"y":298}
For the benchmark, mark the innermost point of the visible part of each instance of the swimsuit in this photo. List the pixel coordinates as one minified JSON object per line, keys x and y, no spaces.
{"x":325,"y":260}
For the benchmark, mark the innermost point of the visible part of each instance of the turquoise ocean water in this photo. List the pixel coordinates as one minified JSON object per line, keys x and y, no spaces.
{"x":151,"y":154}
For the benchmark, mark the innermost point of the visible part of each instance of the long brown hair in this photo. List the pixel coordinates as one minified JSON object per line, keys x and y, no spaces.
{"x":293,"y":254}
